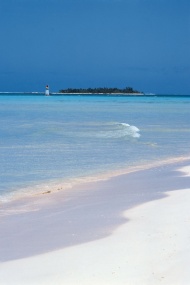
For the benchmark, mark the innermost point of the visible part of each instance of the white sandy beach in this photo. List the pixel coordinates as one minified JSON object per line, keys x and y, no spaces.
{"x":132,"y":229}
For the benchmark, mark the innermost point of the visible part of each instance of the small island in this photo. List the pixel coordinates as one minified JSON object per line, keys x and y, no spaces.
{"x":101,"y":90}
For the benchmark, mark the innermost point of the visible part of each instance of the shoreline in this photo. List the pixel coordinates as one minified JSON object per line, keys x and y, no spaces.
{"x":60,"y":185}
{"x":102,"y":232}
{"x":36,"y":93}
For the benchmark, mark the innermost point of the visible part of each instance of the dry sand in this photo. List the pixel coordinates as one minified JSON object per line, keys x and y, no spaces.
{"x":132,"y":229}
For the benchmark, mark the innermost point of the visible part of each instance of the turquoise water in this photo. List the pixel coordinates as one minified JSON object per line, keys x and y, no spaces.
{"x":45,"y":139}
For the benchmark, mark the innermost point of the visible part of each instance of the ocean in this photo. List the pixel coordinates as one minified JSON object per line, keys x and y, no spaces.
{"x":51,"y":140}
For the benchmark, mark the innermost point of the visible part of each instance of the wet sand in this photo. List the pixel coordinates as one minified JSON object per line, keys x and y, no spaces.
{"x":129,"y":229}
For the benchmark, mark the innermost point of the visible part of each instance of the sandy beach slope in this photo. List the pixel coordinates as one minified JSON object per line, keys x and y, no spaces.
{"x":131,"y":229}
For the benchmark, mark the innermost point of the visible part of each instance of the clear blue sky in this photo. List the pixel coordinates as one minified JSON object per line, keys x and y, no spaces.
{"x":144,"y":44}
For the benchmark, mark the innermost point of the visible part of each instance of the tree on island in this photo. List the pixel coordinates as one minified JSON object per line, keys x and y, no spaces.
{"x":100,"y":90}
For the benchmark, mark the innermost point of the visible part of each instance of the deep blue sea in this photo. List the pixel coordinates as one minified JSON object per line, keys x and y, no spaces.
{"x":44,"y":139}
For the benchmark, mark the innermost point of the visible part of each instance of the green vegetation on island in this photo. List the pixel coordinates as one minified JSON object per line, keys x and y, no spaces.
{"x":100,"y":90}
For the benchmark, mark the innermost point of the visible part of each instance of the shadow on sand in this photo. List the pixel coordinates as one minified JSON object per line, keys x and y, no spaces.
{"x":86,"y":214}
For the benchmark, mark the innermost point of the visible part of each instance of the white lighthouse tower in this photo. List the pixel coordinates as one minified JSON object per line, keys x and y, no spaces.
{"x":47,"y":90}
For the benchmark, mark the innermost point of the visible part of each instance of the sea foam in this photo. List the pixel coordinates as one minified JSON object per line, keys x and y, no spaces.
{"x":119,"y":130}
{"x":132,"y":131}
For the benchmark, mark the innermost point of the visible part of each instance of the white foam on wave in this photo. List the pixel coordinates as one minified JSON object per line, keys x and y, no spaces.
{"x":133,"y":131}
{"x":119,"y":130}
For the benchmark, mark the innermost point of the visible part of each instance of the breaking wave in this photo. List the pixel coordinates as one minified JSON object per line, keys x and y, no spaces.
{"x":120,"y":130}
{"x":131,"y":130}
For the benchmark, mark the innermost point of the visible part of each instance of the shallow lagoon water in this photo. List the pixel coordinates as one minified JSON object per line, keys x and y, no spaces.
{"x":46,"y":139}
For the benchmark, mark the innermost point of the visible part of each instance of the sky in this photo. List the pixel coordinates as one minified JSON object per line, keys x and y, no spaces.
{"x":143,"y":44}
